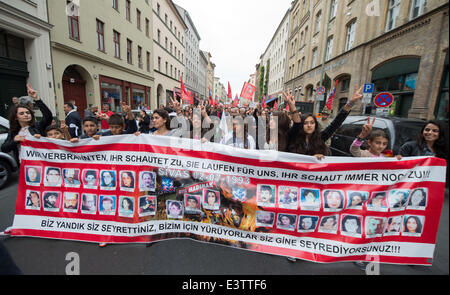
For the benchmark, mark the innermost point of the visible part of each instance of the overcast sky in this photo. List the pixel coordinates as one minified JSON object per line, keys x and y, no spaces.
{"x":236,"y":32}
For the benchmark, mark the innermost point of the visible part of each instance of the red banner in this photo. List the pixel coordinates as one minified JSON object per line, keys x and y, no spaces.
{"x":140,"y":189}
{"x":248,"y":91}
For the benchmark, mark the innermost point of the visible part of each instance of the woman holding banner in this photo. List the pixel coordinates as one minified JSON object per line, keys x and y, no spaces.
{"x":22,"y":123}
{"x":431,"y":141}
{"x":305,"y":136}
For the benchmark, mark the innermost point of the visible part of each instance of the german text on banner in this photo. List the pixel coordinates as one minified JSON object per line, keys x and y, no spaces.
{"x":142,"y":189}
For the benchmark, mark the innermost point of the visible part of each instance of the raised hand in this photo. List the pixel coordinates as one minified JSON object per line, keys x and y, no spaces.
{"x":367,"y":128}
{"x":31,"y":92}
{"x":289,"y":99}
{"x":357,"y":95}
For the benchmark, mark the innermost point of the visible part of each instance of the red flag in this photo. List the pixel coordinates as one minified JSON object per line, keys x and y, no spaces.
{"x":263,"y":102}
{"x":183,"y":89}
{"x":275,"y":105}
{"x":330,"y":100}
{"x":210,"y":99}
{"x":216,"y":101}
{"x":287,"y":108}
{"x":248,"y":91}
{"x":185,"y":95}
{"x":230,"y":95}
{"x":236,"y":101}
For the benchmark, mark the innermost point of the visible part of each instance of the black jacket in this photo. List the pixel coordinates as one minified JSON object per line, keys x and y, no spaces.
{"x":412,"y":149}
{"x":38,"y":128}
{"x":144,"y":126}
{"x":294,"y":131}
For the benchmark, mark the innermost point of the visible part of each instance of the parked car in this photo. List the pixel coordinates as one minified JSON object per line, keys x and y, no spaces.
{"x":399,"y":130}
{"x":8,"y":163}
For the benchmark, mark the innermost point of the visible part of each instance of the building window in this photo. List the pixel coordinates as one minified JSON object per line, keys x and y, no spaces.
{"x":116,"y":44}
{"x":303,"y":65}
{"x":329,"y":48}
{"x":101,"y":35}
{"x":147,"y":27}
{"x":314,"y":57}
{"x":345,"y":84}
{"x":129,"y":51}
{"x":158,"y":8}
{"x":115,"y":4}
{"x":350,"y":39}
{"x":393,"y":10}
{"x":148,"y":61}
{"x":159,"y":63}
{"x":159,"y":36}
{"x":138,"y":19}
{"x":318,"y":21}
{"x":128,"y":10}
{"x":417,"y":8}
{"x":140,"y":63}
{"x":167,"y":67}
{"x":74,"y":21}
{"x":333,"y":9}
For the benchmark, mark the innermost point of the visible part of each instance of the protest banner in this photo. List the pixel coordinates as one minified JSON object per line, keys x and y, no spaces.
{"x":248,"y":90}
{"x":142,"y":189}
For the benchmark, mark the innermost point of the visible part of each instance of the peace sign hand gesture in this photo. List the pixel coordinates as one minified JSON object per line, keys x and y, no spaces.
{"x":357,"y":94}
{"x":176,"y":104}
{"x":289,"y":99}
{"x":31,"y":92}
{"x":367,"y":128}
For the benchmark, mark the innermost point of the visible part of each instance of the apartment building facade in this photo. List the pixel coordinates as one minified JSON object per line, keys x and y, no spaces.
{"x":25,"y":54}
{"x":102,"y":53}
{"x":399,"y":45}
{"x":169,"y":50}
{"x":192,"y":54}
{"x":274,"y":59}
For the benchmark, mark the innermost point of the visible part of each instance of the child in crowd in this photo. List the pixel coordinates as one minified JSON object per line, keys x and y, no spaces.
{"x":90,"y":128}
{"x":119,"y":125}
{"x":55,"y":132}
{"x":377,"y":140}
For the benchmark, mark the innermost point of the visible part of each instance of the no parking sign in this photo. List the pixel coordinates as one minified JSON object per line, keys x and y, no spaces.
{"x":384,"y":100}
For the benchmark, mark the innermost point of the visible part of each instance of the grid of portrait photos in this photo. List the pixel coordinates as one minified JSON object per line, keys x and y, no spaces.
{"x":48,"y":190}
{"x":105,"y":192}
{"x":332,"y":202}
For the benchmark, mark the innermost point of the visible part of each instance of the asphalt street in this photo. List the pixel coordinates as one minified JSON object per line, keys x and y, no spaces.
{"x":36,"y":256}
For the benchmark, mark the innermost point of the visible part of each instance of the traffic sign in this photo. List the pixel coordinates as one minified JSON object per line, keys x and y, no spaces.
{"x":384,"y":100}
{"x":368,"y":88}
{"x":320,"y":97}
{"x":320,"y":90}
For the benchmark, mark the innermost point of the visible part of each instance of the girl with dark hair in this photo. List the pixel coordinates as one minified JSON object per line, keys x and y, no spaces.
{"x":161,"y":121}
{"x":431,"y":141}
{"x":22,"y":123}
{"x":305,"y":136}
{"x":377,"y":140}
